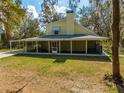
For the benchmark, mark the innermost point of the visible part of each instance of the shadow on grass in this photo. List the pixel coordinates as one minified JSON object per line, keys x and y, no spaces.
{"x":118,"y":82}
{"x":63,"y":59}
{"x":120,"y":85}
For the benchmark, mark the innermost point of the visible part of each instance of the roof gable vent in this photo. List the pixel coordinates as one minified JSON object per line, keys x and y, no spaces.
{"x":56,"y":28}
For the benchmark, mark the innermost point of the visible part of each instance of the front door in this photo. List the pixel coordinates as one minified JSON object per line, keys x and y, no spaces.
{"x":54,"y":47}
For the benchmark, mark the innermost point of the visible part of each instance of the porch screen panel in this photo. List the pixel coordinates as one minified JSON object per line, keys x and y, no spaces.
{"x":94,"y":47}
{"x":31,"y":46}
{"x":78,"y":47}
{"x":65,"y":47}
{"x":43,"y":46}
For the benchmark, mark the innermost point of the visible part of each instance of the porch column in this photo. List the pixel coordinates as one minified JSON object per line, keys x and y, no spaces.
{"x":102,"y":46}
{"x":71,"y":46}
{"x":49,"y":46}
{"x":0,"y":38}
{"x":59,"y":46}
{"x":86,"y":46}
{"x":37,"y":46}
{"x":25,"y":46}
{"x":10,"y":45}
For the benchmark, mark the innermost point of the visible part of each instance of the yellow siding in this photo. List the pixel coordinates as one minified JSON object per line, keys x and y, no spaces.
{"x":68,"y":26}
{"x":60,"y":23}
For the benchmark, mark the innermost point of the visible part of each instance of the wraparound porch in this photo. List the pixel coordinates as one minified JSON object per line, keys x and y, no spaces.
{"x":60,"y":46}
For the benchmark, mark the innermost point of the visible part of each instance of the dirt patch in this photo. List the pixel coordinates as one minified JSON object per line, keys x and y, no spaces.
{"x":31,"y":82}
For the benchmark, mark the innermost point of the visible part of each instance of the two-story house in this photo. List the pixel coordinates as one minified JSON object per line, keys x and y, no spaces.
{"x":65,"y":36}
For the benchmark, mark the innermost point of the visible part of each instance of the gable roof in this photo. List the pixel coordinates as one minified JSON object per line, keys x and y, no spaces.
{"x":85,"y":30}
{"x":61,"y":36}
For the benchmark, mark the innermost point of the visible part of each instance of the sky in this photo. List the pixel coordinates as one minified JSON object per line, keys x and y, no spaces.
{"x":34,"y":6}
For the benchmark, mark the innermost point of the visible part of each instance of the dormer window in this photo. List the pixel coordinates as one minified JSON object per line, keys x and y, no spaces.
{"x":56,"y":30}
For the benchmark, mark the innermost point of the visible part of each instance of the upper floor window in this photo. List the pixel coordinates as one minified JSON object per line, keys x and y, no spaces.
{"x":56,"y":29}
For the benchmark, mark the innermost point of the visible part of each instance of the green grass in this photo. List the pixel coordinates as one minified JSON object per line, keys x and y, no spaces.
{"x":56,"y":65}
{"x":122,"y":51}
{"x":8,"y":50}
{"x":67,"y":67}
{"x":122,"y":60}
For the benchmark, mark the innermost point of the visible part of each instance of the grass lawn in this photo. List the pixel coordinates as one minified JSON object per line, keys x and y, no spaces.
{"x":122,"y":51}
{"x":56,"y":74}
{"x":8,"y":50}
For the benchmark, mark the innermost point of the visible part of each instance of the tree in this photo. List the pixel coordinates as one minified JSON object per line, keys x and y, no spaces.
{"x":116,"y":38}
{"x":49,"y":13}
{"x":11,"y":16}
{"x":29,"y":28}
{"x":97,"y":17}
{"x":73,"y":4}
{"x":122,"y":25}
{"x":19,"y":2}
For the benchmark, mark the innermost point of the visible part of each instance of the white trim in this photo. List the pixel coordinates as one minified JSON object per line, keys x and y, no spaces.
{"x":49,"y":46}
{"x":0,"y":37}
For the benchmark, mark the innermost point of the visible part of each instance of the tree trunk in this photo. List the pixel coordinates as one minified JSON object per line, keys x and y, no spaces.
{"x":116,"y":38}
